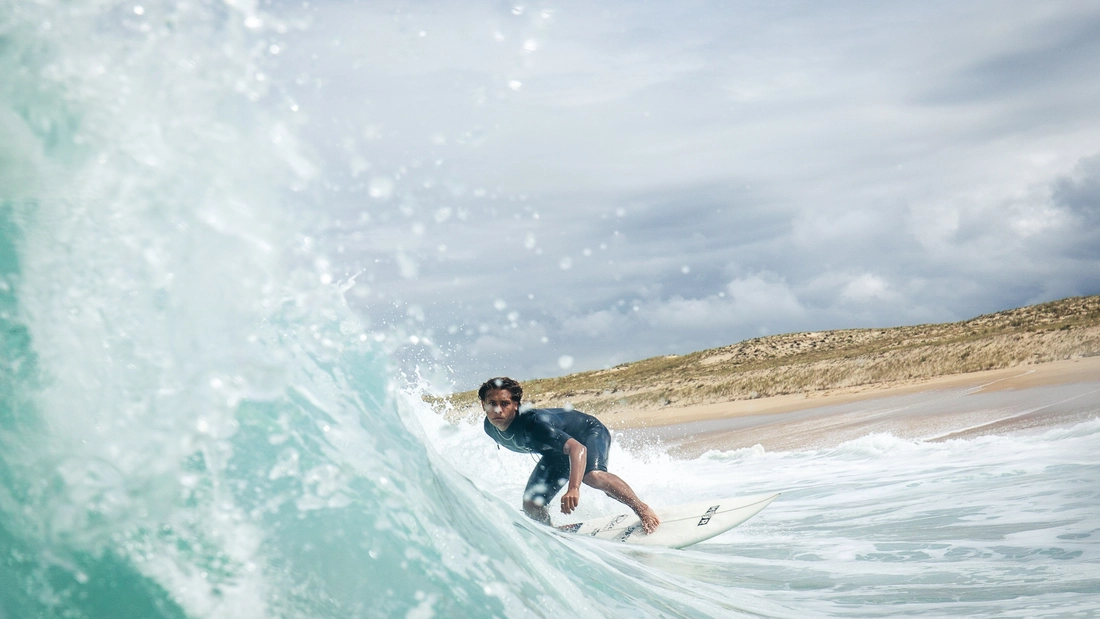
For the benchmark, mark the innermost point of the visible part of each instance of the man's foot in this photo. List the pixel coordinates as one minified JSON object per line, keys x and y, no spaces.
{"x":650,"y":521}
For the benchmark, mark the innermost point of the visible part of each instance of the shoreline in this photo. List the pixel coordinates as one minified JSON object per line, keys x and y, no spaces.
{"x":1023,"y":398}
{"x":1085,"y":369}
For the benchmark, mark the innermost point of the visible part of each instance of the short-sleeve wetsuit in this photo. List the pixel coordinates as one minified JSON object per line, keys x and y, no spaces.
{"x":545,"y":431}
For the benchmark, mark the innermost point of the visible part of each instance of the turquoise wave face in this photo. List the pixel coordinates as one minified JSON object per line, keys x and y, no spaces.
{"x":192,"y":422}
{"x":190,"y":425}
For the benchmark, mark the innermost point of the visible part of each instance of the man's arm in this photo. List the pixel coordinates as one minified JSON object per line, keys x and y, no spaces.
{"x":578,"y":458}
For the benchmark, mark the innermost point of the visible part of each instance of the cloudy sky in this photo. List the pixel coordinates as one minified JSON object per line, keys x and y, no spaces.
{"x":548,"y":187}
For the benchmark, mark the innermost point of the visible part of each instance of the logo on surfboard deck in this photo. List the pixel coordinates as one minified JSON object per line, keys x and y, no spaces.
{"x":609,"y":526}
{"x":706,"y":517}
{"x":571,"y":528}
{"x":629,"y":531}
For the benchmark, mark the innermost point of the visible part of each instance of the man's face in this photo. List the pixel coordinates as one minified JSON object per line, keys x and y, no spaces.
{"x":499,"y":408}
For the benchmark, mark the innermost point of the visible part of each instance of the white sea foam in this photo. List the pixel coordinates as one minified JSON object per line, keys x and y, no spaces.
{"x":875,"y":526}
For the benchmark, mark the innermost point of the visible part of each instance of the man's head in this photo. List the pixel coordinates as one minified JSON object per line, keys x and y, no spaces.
{"x":501,"y":382}
{"x":500,"y":398}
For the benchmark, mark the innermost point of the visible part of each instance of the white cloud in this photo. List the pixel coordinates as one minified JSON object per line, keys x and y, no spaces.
{"x":866,"y":287}
{"x":1035,"y":219}
{"x":747,"y":303}
{"x":595,"y":324}
{"x":762,"y":295}
{"x":679,"y":313}
{"x":934,"y":225}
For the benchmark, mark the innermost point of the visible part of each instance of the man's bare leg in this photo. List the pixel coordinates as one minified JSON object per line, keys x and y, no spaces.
{"x":537,"y":512}
{"x":614,"y":487}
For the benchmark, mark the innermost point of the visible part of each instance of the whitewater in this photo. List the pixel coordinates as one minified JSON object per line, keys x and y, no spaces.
{"x":193,"y":422}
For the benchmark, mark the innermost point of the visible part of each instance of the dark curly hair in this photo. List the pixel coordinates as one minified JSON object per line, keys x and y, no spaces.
{"x":501,"y":382}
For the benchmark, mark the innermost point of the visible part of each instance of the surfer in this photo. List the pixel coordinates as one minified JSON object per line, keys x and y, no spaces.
{"x":573,"y":446}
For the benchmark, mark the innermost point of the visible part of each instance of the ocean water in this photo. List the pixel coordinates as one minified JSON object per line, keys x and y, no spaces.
{"x":194,"y":424}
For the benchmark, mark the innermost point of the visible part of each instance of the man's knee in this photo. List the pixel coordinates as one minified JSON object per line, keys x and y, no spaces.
{"x":597,"y":479}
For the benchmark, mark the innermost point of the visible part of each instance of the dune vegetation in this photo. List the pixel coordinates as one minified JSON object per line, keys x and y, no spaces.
{"x":823,"y":361}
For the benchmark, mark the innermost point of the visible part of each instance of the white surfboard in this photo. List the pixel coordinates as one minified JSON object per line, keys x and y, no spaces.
{"x":681,"y":525}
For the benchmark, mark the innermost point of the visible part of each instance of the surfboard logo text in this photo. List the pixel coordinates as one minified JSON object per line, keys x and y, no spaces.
{"x":629,"y":531}
{"x":609,"y":526}
{"x":706,"y":517}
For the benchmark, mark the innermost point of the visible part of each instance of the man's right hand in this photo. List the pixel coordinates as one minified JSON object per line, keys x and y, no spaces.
{"x":570,"y":500}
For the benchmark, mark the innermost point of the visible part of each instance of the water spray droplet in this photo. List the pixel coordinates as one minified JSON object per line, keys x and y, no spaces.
{"x":381,"y":188}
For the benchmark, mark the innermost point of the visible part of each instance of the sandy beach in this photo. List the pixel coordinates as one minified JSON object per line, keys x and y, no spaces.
{"x":1025,"y":398}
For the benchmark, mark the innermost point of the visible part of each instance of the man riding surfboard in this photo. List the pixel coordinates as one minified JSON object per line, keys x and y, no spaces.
{"x":574,"y":448}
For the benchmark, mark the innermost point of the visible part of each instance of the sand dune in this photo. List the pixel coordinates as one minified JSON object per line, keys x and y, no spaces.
{"x":932,"y":382}
{"x":1032,"y":398}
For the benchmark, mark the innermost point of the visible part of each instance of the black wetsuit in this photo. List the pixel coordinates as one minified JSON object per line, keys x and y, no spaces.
{"x":545,"y":431}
